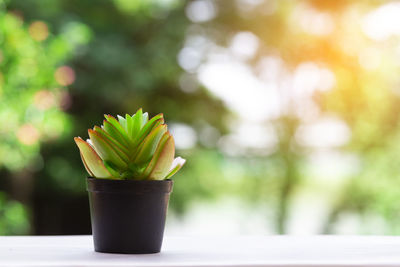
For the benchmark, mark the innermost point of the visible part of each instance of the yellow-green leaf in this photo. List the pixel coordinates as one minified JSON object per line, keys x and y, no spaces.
{"x":105,"y":150}
{"x":123,"y":122}
{"x":148,"y":146}
{"x":116,"y":125}
{"x":116,"y":134}
{"x":156,"y":155}
{"x":120,"y":149}
{"x":164,"y":161}
{"x":137,"y":124}
{"x":129,"y":125}
{"x":150,"y":125}
{"x":86,"y":166}
{"x":145,"y":118}
{"x":93,"y":163}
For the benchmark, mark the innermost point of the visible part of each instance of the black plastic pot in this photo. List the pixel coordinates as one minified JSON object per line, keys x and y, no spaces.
{"x":128,"y":216}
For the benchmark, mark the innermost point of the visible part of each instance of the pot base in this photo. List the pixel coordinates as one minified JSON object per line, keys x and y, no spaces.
{"x":127,"y":252}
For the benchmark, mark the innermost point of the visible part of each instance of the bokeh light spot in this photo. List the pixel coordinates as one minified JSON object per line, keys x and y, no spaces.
{"x":312,"y":21}
{"x":189,"y":59}
{"x":185,"y":136}
{"x":383,"y":22}
{"x":65,"y":75}
{"x":39,"y":31}
{"x":27,"y":134}
{"x":244,"y":45}
{"x":201,"y":11}
{"x":44,"y":99}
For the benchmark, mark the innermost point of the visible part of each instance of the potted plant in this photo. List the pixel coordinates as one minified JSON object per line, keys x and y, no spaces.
{"x":130,"y":161}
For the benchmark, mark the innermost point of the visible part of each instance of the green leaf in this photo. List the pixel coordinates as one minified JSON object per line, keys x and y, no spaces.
{"x":176,"y":166}
{"x":145,"y":118}
{"x":116,"y":134}
{"x":86,"y":166}
{"x":112,"y":169}
{"x":164,"y":160}
{"x":150,"y":125}
{"x":123,"y":123}
{"x":105,"y":150}
{"x":121,"y":151}
{"x":118,"y":126}
{"x":156,"y":155}
{"x":129,"y":125}
{"x":137,"y":124}
{"x":148,"y":146}
{"x":93,"y":163}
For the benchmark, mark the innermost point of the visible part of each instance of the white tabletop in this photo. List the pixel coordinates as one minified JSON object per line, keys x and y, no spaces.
{"x":208,"y":251}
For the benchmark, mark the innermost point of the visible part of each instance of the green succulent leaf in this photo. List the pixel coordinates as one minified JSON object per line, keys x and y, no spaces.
{"x":93,"y":163}
{"x":122,"y":151}
{"x":163,"y":157}
{"x":156,"y":155}
{"x":112,"y":169}
{"x":145,"y":119}
{"x":106,"y":151}
{"x":116,"y":134}
{"x":129,"y":125}
{"x":148,"y":127}
{"x":176,"y":166}
{"x":137,"y":124}
{"x":130,"y":147}
{"x":123,"y":122}
{"x":113,"y":121}
{"x":148,"y":146}
{"x":86,"y":166}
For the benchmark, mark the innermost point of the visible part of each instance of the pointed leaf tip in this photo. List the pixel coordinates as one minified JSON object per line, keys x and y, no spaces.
{"x":164,"y":157}
{"x":123,"y":122}
{"x":91,"y":160}
{"x":118,"y":133}
{"x":149,"y":144}
{"x":136,"y":124}
{"x":148,"y":127}
{"x":105,"y":150}
{"x":175,"y":167}
{"x":121,"y":150}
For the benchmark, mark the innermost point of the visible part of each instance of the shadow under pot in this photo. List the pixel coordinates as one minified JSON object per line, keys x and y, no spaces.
{"x":128,"y":216}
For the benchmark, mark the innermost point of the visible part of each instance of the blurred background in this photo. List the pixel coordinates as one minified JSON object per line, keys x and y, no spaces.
{"x":287,"y":111}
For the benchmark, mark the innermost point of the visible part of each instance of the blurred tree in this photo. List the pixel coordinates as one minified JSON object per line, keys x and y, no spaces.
{"x":121,"y":56}
{"x":13,"y":217}
{"x":32,"y":94}
{"x":328,"y":34}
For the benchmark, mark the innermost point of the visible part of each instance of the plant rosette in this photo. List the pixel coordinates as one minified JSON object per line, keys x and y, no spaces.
{"x":130,"y":161}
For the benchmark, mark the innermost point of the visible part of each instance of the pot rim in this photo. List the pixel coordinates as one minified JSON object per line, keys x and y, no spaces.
{"x":98,"y":185}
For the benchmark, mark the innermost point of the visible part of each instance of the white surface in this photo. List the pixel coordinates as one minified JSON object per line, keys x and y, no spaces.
{"x":208,"y":251}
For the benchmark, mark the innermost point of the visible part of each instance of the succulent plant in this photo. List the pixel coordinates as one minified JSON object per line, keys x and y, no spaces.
{"x":134,"y":147}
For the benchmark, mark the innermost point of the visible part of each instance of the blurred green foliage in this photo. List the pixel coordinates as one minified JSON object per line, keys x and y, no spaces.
{"x":29,"y":91}
{"x":116,"y":56}
{"x":13,"y":217}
